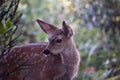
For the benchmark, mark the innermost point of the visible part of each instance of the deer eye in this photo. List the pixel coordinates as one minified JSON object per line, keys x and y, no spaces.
{"x":58,"y":40}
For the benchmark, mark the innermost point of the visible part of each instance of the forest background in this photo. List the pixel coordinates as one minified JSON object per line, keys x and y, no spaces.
{"x":96,"y":25}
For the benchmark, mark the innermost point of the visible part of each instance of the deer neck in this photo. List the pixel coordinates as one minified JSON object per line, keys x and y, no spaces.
{"x":70,"y":55}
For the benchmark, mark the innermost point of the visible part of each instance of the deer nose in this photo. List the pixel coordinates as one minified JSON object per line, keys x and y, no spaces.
{"x":46,"y":52}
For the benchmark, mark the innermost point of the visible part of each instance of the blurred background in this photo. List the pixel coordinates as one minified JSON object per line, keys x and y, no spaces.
{"x":96,"y":25}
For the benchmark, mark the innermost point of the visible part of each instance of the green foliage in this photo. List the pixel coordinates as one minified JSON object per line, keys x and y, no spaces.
{"x":105,"y":51}
{"x":8,"y":25}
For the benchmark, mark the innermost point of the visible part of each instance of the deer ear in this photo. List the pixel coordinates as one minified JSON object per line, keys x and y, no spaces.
{"x":67,"y":30}
{"x":46,"y":27}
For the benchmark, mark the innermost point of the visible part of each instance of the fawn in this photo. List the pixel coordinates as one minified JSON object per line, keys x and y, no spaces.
{"x":57,"y":59}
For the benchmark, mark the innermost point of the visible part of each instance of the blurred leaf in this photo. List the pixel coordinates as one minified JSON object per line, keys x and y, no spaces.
{"x":8,"y":24}
{"x":1,"y":28}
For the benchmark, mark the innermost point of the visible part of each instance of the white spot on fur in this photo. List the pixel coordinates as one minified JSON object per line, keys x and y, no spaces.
{"x":32,"y":48}
{"x":6,"y":60}
{"x":36,"y":55}
{"x":43,"y":69}
{"x":19,"y":50}
{"x":23,"y":53}
{"x":45,"y":55}
{"x":17,"y":65}
{"x":11,"y":56}
{"x":32,"y":54}
{"x":21,"y":56}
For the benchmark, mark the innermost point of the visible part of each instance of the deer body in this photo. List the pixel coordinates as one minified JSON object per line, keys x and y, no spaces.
{"x":57,"y":59}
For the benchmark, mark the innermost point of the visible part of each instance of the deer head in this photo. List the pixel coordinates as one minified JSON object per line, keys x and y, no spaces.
{"x":58,"y":38}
